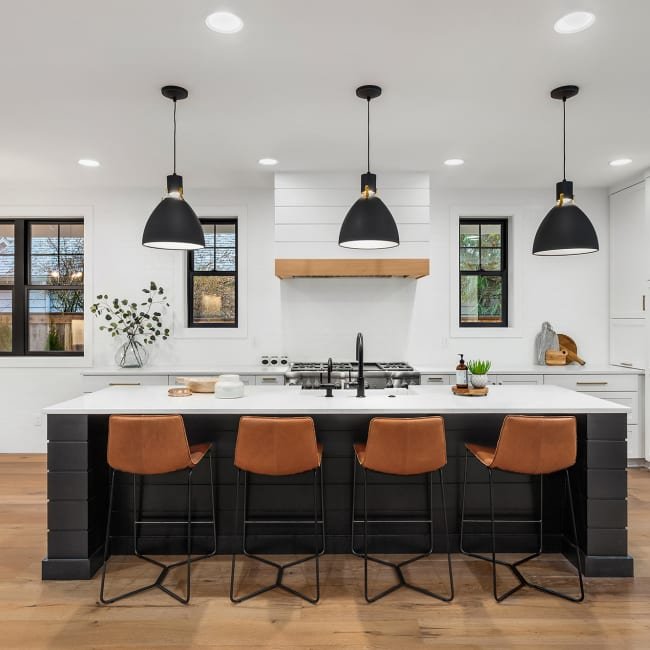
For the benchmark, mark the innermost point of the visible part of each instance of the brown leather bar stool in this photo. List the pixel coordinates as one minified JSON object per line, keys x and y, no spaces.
{"x":402,"y":447}
{"x":278,"y":447}
{"x":535,"y":445}
{"x":145,"y":445}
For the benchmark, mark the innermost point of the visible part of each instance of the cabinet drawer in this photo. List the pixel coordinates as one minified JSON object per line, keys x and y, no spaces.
{"x":269,"y":380}
{"x":91,"y":383}
{"x":631,"y":400}
{"x":635,"y":446}
{"x":435,"y":380}
{"x":524,"y":380}
{"x":590,"y":383}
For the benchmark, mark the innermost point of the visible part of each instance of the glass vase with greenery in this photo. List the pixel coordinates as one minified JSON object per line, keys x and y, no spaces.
{"x":140,"y":322}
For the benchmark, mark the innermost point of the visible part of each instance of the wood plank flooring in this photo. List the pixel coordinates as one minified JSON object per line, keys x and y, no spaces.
{"x":36,"y":614}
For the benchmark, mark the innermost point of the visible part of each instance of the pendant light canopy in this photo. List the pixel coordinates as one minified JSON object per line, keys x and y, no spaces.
{"x":369,"y":223}
{"x":173,"y":224}
{"x":566,"y":229}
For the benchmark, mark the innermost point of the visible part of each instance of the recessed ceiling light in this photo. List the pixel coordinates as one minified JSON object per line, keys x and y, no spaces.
{"x":454,"y":162}
{"x":88,"y":162}
{"x":267,"y":161}
{"x":224,"y":22}
{"x":619,"y":162}
{"x":576,"y":21}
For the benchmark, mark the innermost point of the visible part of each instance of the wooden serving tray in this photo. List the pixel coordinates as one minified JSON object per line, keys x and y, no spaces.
{"x":470,"y":392}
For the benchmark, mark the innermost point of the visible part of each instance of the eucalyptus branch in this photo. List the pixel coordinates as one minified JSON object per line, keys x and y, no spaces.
{"x":134,"y":319}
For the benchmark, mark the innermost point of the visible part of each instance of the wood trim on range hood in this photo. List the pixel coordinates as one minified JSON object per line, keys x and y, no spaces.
{"x":351,"y":268}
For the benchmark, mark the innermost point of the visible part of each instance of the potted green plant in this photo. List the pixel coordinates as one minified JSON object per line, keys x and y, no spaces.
{"x":479,"y":370}
{"x":140,"y":322}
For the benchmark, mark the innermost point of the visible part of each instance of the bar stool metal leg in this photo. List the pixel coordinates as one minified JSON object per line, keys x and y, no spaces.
{"x":397,"y":567}
{"x":164,"y":568}
{"x":280,"y":568}
{"x":514,"y":566}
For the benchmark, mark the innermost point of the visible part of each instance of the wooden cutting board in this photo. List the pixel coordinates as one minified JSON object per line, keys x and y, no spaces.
{"x":469,"y":392}
{"x":568,"y":344}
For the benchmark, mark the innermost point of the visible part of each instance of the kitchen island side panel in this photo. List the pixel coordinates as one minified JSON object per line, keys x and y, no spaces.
{"x":78,"y":480}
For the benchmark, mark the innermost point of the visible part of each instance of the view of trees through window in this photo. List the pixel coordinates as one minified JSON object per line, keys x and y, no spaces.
{"x":41,"y":286}
{"x":212,"y":276}
{"x":483,"y":273}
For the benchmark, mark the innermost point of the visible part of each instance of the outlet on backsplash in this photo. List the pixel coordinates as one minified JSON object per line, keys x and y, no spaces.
{"x":274,"y":361}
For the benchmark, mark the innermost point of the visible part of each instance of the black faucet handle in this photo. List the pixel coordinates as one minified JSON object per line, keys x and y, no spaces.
{"x":328,"y":389}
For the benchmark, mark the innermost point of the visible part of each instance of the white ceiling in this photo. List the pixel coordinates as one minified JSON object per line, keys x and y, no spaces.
{"x":461,"y":78}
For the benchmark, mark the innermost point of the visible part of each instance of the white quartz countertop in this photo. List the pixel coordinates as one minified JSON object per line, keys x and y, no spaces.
{"x":287,"y":400}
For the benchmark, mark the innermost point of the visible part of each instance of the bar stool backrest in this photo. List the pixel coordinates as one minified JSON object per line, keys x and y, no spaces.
{"x":147,"y":444}
{"x":406,"y":446}
{"x":276,"y":446}
{"x":536,"y":444}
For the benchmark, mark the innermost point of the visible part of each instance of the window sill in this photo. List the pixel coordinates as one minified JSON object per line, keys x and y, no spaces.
{"x":45,"y":362}
{"x":485,"y":333}
{"x":209,"y":333}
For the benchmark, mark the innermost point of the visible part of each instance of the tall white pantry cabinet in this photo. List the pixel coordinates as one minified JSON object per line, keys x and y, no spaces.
{"x":629,"y":290}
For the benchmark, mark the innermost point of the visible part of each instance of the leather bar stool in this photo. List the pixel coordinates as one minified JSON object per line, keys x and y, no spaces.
{"x":278,"y":447}
{"x":146,"y":445}
{"x":538,"y":446}
{"x":402,"y":447}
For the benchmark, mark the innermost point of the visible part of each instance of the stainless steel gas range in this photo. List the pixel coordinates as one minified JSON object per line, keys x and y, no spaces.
{"x":345,"y":374}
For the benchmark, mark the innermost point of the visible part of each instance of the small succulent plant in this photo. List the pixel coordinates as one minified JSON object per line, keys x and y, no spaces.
{"x":479,"y":367}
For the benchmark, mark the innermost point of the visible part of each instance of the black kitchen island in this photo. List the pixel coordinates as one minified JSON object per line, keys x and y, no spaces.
{"x":78,"y":476}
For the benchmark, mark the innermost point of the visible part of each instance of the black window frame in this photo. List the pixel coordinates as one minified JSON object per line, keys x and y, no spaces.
{"x":503,"y":273}
{"x":22,"y":286}
{"x":191,"y":273}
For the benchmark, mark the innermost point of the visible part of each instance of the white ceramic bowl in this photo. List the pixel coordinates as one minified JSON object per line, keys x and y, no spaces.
{"x":229,"y":387}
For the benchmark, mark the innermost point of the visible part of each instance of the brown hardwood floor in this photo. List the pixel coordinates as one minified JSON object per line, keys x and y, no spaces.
{"x":36,"y":614}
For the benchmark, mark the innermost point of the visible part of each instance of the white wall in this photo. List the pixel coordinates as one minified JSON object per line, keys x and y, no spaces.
{"x":401,"y":319}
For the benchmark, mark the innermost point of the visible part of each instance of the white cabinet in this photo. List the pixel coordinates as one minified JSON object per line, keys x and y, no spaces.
{"x":520,"y":380}
{"x":622,"y":389}
{"x":627,"y":342}
{"x":435,"y":380}
{"x":628,"y":252}
{"x":91,"y":383}
{"x":269,"y":380}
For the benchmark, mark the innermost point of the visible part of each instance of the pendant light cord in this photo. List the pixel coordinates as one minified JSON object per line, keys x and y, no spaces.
{"x":174,"y":136}
{"x":564,"y":138}
{"x":368,"y":100}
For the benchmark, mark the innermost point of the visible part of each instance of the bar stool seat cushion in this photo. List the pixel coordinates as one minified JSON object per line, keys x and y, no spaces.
{"x":483,"y":453}
{"x":197,"y":452}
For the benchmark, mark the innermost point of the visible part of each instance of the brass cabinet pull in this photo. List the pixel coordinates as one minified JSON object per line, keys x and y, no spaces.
{"x":626,"y":363}
{"x":121,"y":383}
{"x":643,"y":302}
{"x":434,"y":380}
{"x":592,"y":383}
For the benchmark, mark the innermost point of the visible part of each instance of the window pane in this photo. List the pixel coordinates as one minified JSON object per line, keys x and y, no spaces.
{"x":225,"y":235}
{"x":225,"y":259}
{"x":481,"y":299}
{"x":491,"y":235}
{"x":5,"y":320}
{"x":469,"y":235}
{"x":56,"y":320}
{"x":44,"y":238}
{"x":214,"y":299}
{"x":72,"y":238}
{"x":491,"y":259}
{"x":53,"y":265}
{"x":469,"y":259}
{"x":6,"y":254}
{"x":203,"y":259}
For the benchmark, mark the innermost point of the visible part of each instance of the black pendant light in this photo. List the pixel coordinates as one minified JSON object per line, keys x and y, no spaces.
{"x":173,"y":224}
{"x":566,"y":229}
{"x":369,"y":223}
